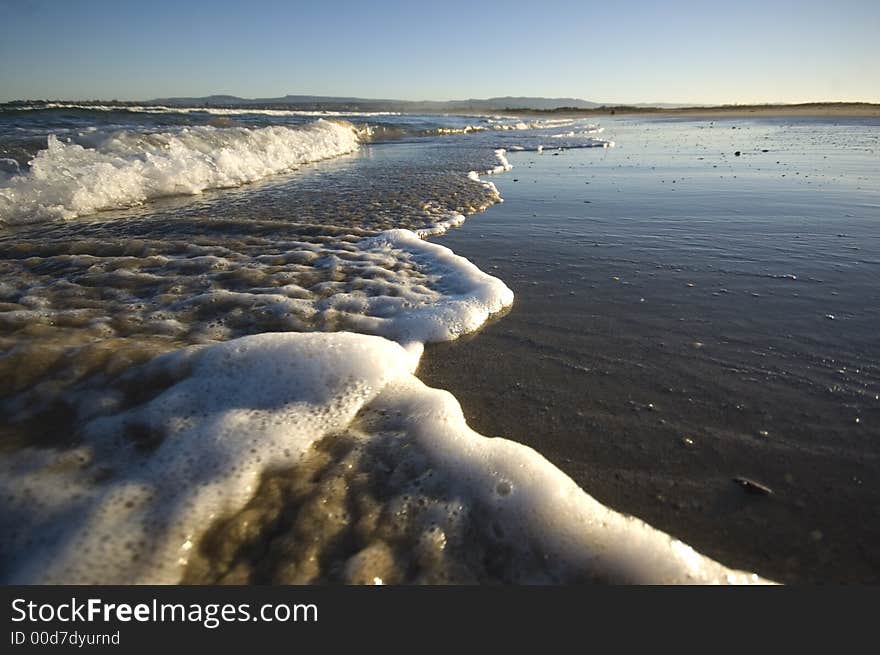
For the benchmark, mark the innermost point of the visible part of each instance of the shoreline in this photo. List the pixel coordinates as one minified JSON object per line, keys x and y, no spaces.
{"x":642,"y":419}
{"x":817,"y":109}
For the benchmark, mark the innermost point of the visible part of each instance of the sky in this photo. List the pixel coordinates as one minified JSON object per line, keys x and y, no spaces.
{"x":629,"y":51}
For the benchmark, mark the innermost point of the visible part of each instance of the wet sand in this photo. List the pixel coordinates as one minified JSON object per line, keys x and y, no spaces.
{"x":686,"y":318}
{"x":819,"y":109}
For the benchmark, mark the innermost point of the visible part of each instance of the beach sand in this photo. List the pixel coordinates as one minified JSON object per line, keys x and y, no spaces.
{"x":807,"y":110}
{"x":686,"y":318}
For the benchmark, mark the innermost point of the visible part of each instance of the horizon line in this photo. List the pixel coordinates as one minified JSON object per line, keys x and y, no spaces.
{"x":343,"y":98}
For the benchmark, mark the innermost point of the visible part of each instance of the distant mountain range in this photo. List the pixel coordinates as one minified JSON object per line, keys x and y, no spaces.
{"x":365,"y":104}
{"x":504,"y":104}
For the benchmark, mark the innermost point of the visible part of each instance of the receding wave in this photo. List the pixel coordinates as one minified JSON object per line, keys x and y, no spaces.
{"x":334,"y":431}
{"x":127,"y":168}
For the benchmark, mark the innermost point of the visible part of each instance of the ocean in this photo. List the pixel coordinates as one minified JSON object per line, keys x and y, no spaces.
{"x":218,"y":326}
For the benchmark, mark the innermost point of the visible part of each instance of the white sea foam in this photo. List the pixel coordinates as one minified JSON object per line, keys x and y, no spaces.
{"x":441,"y":226}
{"x":394,"y":284}
{"x":502,"y":167}
{"x":461,"y":298}
{"x":537,"y":510}
{"x":67,"y":180}
{"x":467,"y":129}
{"x":590,"y":130}
{"x":502,"y":125}
{"x":238,"y":409}
{"x":246,"y":405}
{"x":216,"y":111}
{"x":503,"y":164}
{"x":513,"y":123}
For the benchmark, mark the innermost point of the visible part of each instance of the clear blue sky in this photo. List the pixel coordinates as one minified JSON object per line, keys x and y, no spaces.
{"x":623,"y":51}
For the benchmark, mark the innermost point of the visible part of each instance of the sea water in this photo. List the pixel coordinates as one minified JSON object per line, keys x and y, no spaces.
{"x":211,"y":325}
{"x":689,"y":317}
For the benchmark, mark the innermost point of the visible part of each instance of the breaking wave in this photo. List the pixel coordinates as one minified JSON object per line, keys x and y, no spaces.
{"x":127,"y":168}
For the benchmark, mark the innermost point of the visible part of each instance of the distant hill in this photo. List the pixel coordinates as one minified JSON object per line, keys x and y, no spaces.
{"x":369,"y":104}
{"x":288,"y":100}
{"x":505,"y":104}
{"x":523,"y":102}
{"x":206,"y":100}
